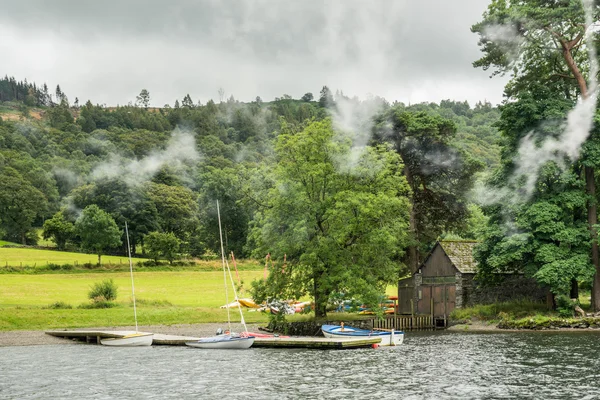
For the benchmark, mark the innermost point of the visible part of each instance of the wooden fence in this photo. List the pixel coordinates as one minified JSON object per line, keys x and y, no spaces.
{"x":405,"y":322}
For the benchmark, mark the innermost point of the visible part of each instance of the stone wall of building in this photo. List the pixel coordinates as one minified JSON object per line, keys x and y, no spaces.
{"x":510,"y":288}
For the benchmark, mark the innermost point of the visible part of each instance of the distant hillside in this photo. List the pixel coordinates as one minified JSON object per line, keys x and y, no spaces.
{"x":139,"y":164}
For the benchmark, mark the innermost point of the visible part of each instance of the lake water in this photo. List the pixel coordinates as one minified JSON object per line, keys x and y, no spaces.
{"x":427,"y":366}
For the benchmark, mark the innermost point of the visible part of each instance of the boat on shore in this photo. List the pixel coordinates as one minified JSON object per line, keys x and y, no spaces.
{"x":227,"y":339}
{"x":135,"y":339}
{"x":388,"y":337}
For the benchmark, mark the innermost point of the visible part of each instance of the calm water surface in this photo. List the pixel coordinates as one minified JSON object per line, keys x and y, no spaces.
{"x":427,"y":366}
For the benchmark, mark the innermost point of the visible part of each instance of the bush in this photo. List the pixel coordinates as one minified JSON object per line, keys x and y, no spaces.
{"x":59,"y":305}
{"x":209,"y":255}
{"x":103,"y":291}
{"x":59,"y":267}
{"x":564,"y":306}
{"x":97,"y":303}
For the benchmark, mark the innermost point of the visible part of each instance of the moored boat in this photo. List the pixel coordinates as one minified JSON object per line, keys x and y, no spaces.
{"x":223,"y":342}
{"x":135,"y":339}
{"x":388,"y":338}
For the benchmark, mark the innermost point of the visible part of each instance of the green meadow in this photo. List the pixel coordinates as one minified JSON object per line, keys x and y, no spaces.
{"x":163,"y":297}
{"x":11,"y":256}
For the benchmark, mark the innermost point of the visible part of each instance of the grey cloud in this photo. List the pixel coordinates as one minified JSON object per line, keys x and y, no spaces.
{"x":400,"y":49}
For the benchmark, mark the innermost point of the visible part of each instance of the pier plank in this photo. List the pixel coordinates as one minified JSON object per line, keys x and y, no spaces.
{"x":273,"y":342}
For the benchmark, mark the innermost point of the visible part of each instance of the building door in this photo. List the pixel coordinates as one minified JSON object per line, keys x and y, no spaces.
{"x":406,"y":295}
{"x":424,"y":294}
{"x":444,"y":300}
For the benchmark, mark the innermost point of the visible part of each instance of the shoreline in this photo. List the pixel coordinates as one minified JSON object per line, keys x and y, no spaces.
{"x":36,"y":338}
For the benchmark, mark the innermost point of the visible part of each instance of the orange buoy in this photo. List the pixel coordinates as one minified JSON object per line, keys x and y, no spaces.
{"x":375,"y":345}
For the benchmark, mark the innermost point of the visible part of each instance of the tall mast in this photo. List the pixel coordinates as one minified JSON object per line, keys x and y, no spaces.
{"x":224,"y":272}
{"x":131,"y":272}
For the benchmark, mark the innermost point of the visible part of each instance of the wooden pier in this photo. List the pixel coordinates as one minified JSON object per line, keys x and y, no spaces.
{"x":92,"y":336}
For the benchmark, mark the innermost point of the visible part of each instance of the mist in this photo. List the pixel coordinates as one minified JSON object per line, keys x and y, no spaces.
{"x":179,"y":153}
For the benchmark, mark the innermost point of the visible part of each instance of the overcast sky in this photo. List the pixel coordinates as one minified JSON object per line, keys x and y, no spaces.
{"x":107,"y":51}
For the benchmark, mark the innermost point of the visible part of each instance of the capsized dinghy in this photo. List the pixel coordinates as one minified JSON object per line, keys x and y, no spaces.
{"x":135,"y":339}
{"x":388,"y":338}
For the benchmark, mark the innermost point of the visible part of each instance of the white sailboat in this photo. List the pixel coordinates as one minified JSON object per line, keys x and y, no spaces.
{"x":137,"y":338}
{"x":228,"y":340}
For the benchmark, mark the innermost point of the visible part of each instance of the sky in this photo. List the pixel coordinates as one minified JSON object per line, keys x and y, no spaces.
{"x":107,"y":51}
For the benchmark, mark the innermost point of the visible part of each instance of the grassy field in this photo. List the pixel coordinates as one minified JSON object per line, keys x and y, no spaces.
{"x":25,"y":256}
{"x":162,"y":297}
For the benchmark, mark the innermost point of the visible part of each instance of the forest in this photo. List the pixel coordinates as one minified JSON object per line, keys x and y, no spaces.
{"x":294,"y":179}
{"x":344,"y":195}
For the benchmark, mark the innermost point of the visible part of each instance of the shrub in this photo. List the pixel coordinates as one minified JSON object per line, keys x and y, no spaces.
{"x":59,"y":267}
{"x":97,"y":303}
{"x":209,"y":255}
{"x":59,"y":305}
{"x":564,"y":306}
{"x":103,"y":291}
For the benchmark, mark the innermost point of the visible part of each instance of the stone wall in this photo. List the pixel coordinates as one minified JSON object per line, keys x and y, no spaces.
{"x":510,"y":288}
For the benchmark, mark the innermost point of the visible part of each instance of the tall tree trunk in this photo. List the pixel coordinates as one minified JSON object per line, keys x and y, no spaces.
{"x":590,"y":183}
{"x":412,"y":252}
{"x":592,"y":221}
{"x":99,"y":259}
{"x":574,"y":289}
{"x":320,"y":297}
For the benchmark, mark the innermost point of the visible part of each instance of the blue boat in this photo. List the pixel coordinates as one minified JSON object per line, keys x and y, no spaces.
{"x":388,"y":338}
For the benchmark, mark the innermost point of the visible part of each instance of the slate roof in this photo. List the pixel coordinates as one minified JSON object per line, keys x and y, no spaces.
{"x":461,"y":255}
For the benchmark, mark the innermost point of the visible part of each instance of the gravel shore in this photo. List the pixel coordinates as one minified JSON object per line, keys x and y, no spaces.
{"x":30,"y":338}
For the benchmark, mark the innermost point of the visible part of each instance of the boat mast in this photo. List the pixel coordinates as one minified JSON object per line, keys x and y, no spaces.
{"x":224,"y":272}
{"x":237,"y":300}
{"x":131,"y":272}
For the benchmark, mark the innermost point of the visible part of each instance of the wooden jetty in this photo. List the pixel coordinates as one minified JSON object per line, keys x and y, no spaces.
{"x":93,"y":336}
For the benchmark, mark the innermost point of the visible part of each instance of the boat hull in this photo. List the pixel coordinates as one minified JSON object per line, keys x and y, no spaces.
{"x":223,"y":342}
{"x":387,"y":338}
{"x":137,"y":339}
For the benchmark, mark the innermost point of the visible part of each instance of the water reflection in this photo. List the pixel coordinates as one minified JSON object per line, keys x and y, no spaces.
{"x":427,"y":365}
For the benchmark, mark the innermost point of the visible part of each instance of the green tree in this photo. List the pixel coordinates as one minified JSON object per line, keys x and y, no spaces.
{"x":439,"y":175}
{"x":20,"y":204}
{"x":143,"y":99}
{"x":187,"y":102}
{"x":59,"y":229}
{"x":326,"y":98}
{"x":162,"y":245}
{"x":124,"y":203}
{"x":543,"y":45}
{"x":177,"y":208}
{"x":308,"y":97}
{"x":97,"y":230}
{"x":342,"y":227}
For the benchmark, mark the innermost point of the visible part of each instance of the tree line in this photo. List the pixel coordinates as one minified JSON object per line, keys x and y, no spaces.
{"x":289,"y":182}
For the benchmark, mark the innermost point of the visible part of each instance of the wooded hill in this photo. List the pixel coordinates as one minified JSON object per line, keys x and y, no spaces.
{"x":161,"y":170}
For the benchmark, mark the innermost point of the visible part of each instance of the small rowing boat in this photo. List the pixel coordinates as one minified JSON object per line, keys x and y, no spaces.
{"x":388,"y":338}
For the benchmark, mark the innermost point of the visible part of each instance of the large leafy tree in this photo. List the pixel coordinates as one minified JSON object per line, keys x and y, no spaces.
{"x":162,"y":245}
{"x":341,"y":226}
{"x":97,"y":230}
{"x":177,"y":208}
{"x":124,"y":203}
{"x":542,"y":45}
{"x":439,"y":175}
{"x":59,"y":229}
{"x":20,"y":204}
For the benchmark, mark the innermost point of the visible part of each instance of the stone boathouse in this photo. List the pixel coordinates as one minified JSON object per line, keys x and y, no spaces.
{"x":446,"y":280}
